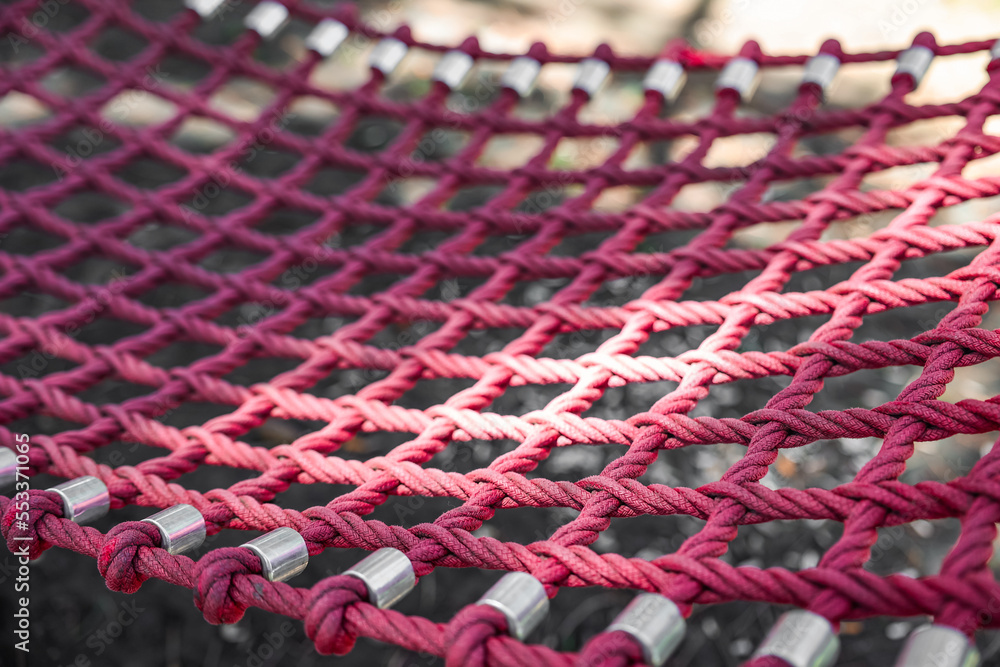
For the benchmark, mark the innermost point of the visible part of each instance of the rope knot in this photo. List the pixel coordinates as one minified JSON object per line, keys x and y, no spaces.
{"x":218,"y":580}
{"x":611,"y":649}
{"x":467,"y":634}
{"x":21,"y":518}
{"x":120,"y":553}
{"x":328,"y":604}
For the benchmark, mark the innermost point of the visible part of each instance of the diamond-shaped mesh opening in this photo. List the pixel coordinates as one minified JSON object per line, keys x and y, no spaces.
{"x":106,"y":329}
{"x":575,"y":344}
{"x":260,"y":369}
{"x":117,"y":44}
{"x":439,"y":144}
{"x":197,"y":134}
{"x":242,"y":99}
{"x":311,"y":115}
{"x":158,"y":236}
{"x":21,"y":175}
{"x":374,"y":133}
{"x":81,"y":143}
{"x":97,"y":270}
{"x":172,"y":295}
{"x":112,"y":392}
{"x":583,"y":152}
{"x":286,"y":221}
{"x":139,"y":107}
{"x":510,"y":151}
{"x":920,"y":547}
{"x":230,"y":260}
{"x":26,"y":241}
{"x":19,"y":109}
{"x":150,"y":173}
{"x":35,"y":364}
{"x":715,"y":287}
{"x":334,"y":181}
{"x":473,"y":197}
{"x":216,"y":195}
{"x":424,"y":241}
{"x":357,"y":233}
{"x":268,"y":162}
{"x":90,"y":207}
{"x":403,"y":191}
{"x":181,"y":70}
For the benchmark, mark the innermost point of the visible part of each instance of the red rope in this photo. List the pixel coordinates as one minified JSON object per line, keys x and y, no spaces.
{"x":227,"y":581}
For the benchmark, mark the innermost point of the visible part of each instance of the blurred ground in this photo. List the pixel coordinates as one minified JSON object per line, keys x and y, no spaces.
{"x":74,"y":611}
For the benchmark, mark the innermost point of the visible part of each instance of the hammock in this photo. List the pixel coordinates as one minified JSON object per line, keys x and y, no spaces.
{"x":410,"y":314}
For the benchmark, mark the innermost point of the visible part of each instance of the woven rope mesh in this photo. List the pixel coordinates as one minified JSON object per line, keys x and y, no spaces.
{"x":332,"y":308}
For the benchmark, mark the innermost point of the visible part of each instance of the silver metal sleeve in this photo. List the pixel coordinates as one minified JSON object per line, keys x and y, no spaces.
{"x":655,"y":622}
{"x":387,"y":55}
{"x":520,"y":75}
{"x":802,"y":639}
{"x":85,"y":499}
{"x":522,"y":599}
{"x":182,"y":528}
{"x":666,"y":77}
{"x":267,"y":19}
{"x":938,"y":646}
{"x":914,"y":61}
{"x":387,"y":574}
{"x":282,"y":552}
{"x":327,"y":37}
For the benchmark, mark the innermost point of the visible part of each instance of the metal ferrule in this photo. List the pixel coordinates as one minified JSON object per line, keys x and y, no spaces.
{"x":666,"y":77}
{"x":182,"y":528}
{"x":453,"y":68}
{"x":591,"y":75}
{"x":387,"y":574}
{"x":740,"y":75}
{"x":282,"y":552}
{"x":655,"y":623}
{"x":521,"y":74}
{"x":267,"y":19}
{"x":522,"y":599}
{"x":821,"y":69}
{"x":914,"y":61}
{"x":938,"y":646}
{"x":327,"y":37}
{"x":387,"y":55}
{"x":802,"y":639}
{"x":995,"y":50}
{"x":206,"y":9}
{"x":85,"y":499}
{"x":8,"y":468}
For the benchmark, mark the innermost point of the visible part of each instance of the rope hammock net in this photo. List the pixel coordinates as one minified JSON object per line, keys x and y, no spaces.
{"x":407,"y":332}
